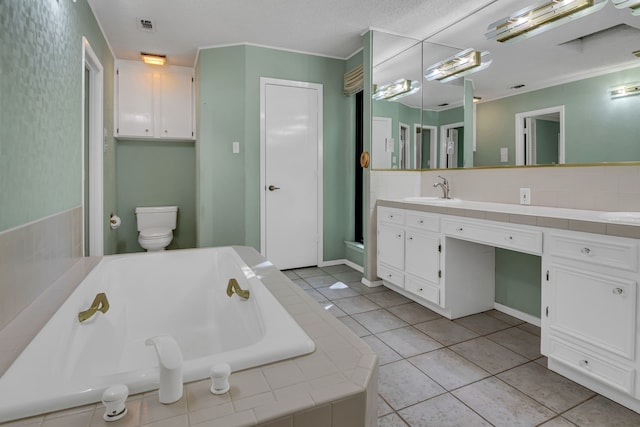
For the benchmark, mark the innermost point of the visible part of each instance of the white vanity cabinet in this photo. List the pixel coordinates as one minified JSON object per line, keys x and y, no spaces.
{"x":589,"y":302}
{"x":409,"y":252}
{"x":154,"y":102}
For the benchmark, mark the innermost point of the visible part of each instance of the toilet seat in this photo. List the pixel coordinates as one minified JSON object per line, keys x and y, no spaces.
{"x":155,"y":233}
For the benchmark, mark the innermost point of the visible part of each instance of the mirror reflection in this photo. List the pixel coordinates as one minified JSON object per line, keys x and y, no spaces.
{"x":549,"y":99}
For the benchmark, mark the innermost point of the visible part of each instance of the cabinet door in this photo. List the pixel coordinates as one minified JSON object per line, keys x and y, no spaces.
{"x":176,"y":105}
{"x":598,"y":310}
{"x":391,"y":246}
{"x":135,"y":101}
{"x":422,"y":258}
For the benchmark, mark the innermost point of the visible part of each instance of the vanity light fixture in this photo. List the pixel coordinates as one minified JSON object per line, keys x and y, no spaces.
{"x":466,"y":62}
{"x":541,"y":17}
{"x":627,"y":89}
{"x":396,"y":90}
{"x":153,"y":59}
{"x":634,"y":5}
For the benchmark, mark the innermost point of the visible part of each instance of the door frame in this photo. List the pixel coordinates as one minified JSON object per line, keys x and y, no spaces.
{"x":264,"y":81}
{"x":404,"y":149}
{"x":520,"y":117}
{"x":91,"y":62}
{"x":443,"y":141}
{"x":388,"y":143}
{"x":433,"y":146}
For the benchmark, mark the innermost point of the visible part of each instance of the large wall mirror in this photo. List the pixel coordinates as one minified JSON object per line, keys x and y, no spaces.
{"x":546,"y":99}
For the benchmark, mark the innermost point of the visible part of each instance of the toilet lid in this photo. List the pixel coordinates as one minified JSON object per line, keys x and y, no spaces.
{"x":155,"y":233}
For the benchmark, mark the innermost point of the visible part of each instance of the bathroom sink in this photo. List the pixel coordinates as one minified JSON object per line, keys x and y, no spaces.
{"x":631,"y":218}
{"x":431,"y":200}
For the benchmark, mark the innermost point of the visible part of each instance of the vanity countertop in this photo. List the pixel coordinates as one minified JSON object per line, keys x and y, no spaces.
{"x":624,"y":224}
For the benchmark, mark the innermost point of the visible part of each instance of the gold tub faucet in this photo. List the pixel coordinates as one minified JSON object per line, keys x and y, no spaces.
{"x":233,"y":286}
{"x":100,"y":303}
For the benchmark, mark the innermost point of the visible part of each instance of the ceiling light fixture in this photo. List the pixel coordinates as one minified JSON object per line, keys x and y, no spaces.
{"x":541,"y":17}
{"x":634,"y":5}
{"x":466,"y":62}
{"x":636,"y":53}
{"x":627,"y":89}
{"x":396,"y":90}
{"x":153,"y":59}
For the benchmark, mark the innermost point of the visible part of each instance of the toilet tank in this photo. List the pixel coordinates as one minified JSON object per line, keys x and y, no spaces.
{"x":156,"y":216}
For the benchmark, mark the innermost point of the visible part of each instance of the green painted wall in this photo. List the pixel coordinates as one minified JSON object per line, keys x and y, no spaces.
{"x":156,"y":173}
{"x":229,"y":110}
{"x":547,"y":141}
{"x":518,"y":278}
{"x":41,"y":110}
{"x":593,"y":121}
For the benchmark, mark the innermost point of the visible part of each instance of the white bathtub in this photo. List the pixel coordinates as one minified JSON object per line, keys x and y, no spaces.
{"x":180,"y":293}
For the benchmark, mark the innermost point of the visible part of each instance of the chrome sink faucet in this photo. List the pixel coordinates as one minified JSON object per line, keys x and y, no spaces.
{"x":444,"y":185}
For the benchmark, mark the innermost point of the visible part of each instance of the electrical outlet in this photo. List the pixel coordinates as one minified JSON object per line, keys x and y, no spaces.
{"x":525,"y":196}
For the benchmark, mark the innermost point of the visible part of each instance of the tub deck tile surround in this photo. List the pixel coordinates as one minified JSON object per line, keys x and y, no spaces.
{"x":336,"y":384}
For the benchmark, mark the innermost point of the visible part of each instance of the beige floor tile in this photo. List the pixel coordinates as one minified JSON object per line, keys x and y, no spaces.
{"x":379,"y":321}
{"x":391,"y":420}
{"x":442,"y":411}
{"x":513,"y":321}
{"x":337,"y":291}
{"x":350,"y":276}
{"x":519,"y":341}
{"x":321,"y":281}
{"x":341,"y":268}
{"x":601,"y":411}
{"x":401,"y":384}
{"x":383,"y":407}
{"x":388,"y":299}
{"x":409,"y":341}
{"x":355,"y":327}
{"x":317,"y":296}
{"x":333,"y":309}
{"x":355,"y":305}
{"x":448,"y":369}
{"x":445,"y":331}
{"x":309,"y":272}
{"x":552,"y":390}
{"x":488,"y":355}
{"x":502,"y":405}
{"x":558,"y":422}
{"x":384,"y":352}
{"x":532,"y":329}
{"x":482,"y":324}
{"x":364,"y":289}
{"x":413,"y":313}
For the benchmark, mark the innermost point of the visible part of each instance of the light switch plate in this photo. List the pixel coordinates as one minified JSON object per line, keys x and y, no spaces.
{"x":525,"y":196}
{"x":236,"y":147}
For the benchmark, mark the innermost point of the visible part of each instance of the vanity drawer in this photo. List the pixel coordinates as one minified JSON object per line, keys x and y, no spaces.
{"x":513,"y":238}
{"x":615,"y":375}
{"x":422,"y":289}
{"x":391,"y":216}
{"x":603,"y":250}
{"x":422,"y":221}
{"x":391,"y":275}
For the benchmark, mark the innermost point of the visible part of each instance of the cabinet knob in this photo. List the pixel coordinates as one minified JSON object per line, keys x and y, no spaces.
{"x":390,"y":216}
{"x":618,"y":291}
{"x":410,"y":237}
{"x":166,"y":131}
{"x":584,"y":363}
{"x":146,"y":130}
{"x":585,"y":251}
{"x":421,"y":222}
{"x":509,"y":238}
{"x":399,"y":236}
{"x":421,"y":289}
{"x":459,"y":229}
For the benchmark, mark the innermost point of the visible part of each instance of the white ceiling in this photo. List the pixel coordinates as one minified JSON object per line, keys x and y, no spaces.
{"x":322,"y":27}
{"x":333,"y":28}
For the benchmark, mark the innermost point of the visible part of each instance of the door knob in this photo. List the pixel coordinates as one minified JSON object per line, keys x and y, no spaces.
{"x":273,"y":188}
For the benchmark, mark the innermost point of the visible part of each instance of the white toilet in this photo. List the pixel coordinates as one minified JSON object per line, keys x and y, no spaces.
{"x":155,"y":225}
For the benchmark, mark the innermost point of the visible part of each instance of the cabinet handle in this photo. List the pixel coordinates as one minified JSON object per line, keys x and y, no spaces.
{"x":586,"y":251}
{"x":618,"y":291}
{"x":584,"y":363}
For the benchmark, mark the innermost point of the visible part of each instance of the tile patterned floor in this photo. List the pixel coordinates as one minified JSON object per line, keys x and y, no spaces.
{"x":480,"y":370}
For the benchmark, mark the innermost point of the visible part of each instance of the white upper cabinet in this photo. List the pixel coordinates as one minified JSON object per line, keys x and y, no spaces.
{"x":154,"y":102}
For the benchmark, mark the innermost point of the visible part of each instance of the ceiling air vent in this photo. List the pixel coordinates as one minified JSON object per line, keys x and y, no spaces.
{"x":145,"y":25}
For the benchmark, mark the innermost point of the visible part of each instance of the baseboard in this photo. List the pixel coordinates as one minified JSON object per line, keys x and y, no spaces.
{"x":342,"y":261}
{"x":517,"y":314}
{"x":354,"y":265}
{"x":371,"y":284}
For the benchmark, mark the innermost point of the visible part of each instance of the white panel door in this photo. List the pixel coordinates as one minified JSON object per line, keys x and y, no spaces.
{"x":176,"y":105}
{"x":135,"y":101}
{"x":292,"y":129}
{"x":381,"y":143}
